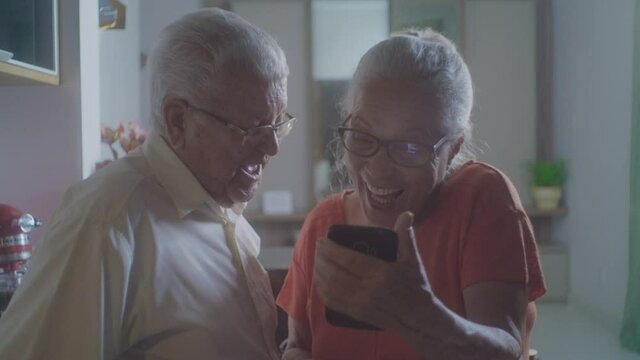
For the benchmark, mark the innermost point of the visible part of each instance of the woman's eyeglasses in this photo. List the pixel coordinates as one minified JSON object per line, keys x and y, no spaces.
{"x":403,"y":153}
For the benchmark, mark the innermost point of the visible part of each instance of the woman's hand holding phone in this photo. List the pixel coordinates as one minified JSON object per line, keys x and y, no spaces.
{"x":378,"y":242}
{"x":374,"y":291}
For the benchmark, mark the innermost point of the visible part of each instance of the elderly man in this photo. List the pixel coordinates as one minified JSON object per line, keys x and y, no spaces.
{"x":150,"y":257}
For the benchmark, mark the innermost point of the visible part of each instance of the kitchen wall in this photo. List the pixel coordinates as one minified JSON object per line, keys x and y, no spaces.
{"x":499,"y":47}
{"x":290,"y":169}
{"x":154,"y":16}
{"x":124,"y":70}
{"x":40,"y":130}
{"x":592,"y":95}
{"x":337,"y":39}
{"x":120,"y":72}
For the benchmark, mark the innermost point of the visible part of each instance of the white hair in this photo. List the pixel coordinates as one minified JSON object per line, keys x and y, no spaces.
{"x":195,"y":54}
{"x":427,"y":58}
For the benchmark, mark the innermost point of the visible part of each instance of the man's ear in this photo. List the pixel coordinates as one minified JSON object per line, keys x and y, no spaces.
{"x":455,"y":149}
{"x":174,"y":111}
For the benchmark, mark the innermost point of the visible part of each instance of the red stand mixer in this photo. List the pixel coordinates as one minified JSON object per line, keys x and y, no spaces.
{"x":15,"y":249}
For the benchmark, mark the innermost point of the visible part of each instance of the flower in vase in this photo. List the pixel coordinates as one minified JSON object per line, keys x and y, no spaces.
{"x":136,"y":136}
{"x":129,"y":139}
{"x":109,"y":135}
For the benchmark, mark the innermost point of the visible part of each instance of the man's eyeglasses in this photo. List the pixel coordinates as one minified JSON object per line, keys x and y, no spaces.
{"x":403,"y":153}
{"x":281,"y":128}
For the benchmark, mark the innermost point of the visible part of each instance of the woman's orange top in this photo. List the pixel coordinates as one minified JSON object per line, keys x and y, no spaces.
{"x":475,"y":231}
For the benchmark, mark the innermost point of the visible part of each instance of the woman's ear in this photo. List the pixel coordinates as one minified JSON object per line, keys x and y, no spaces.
{"x":455,"y":149}
{"x":173,"y":111}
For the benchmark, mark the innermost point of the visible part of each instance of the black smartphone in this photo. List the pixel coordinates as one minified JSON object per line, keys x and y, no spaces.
{"x":373,"y":241}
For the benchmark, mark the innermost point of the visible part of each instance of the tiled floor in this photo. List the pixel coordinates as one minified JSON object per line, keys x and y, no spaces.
{"x":565,"y":333}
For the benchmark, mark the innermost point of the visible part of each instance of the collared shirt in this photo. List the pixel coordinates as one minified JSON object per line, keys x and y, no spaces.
{"x":135,"y":263}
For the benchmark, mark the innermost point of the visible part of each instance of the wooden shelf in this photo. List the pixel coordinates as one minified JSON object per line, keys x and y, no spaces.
{"x":12,"y":74}
{"x":299,"y":217}
{"x":275,"y":257}
{"x":539,"y":213}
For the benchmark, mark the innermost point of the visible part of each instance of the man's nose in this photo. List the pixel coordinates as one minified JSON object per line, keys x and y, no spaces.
{"x":270,"y":144}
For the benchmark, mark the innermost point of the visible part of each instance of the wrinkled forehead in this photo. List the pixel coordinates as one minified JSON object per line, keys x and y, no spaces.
{"x":400,"y":97}
{"x":249,"y":94}
{"x":238,"y":77}
{"x":397,"y":90}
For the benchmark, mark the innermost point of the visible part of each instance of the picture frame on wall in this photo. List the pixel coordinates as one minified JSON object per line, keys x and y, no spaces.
{"x":444,"y":16}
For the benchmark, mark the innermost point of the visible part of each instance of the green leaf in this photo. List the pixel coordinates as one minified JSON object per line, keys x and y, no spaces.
{"x":548,"y":173}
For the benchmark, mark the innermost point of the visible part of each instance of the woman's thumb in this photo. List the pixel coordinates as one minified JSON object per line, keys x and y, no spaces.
{"x":406,"y":238}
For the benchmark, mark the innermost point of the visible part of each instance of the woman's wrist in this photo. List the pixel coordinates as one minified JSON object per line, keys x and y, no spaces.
{"x":422,"y":315}
{"x":435,"y":331}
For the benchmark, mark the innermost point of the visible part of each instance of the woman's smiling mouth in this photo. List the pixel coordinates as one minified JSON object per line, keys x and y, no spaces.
{"x":382,"y":196}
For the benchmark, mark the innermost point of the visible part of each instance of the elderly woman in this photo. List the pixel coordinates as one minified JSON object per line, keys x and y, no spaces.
{"x":467,"y":264}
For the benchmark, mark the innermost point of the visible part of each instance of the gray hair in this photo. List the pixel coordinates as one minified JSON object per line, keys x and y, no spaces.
{"x":195,"y":54}
{"x":427,"y":58}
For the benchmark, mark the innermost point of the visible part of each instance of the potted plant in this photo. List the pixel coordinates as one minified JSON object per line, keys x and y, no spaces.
{"x":548,"y":177}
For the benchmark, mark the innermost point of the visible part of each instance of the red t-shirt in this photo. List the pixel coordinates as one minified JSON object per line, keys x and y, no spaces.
{"x":476,"y":231}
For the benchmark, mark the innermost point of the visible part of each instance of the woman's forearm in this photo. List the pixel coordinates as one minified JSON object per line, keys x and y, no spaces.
{"x":442,"y":334}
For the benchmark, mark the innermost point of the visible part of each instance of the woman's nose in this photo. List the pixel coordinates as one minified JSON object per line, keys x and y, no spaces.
{"x":380,"y":163}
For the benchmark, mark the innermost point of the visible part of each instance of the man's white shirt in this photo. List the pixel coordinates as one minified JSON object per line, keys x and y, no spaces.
{"x":135,"y":262}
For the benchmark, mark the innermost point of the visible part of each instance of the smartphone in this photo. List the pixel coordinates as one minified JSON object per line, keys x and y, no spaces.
{"x":373,"y":241}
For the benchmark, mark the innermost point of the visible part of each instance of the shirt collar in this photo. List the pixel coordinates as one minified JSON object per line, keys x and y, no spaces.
{"x":180,"y":183}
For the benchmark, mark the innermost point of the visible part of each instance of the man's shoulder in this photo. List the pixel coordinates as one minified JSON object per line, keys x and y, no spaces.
{"x":108,"y":192}
{"x":105,"y":206}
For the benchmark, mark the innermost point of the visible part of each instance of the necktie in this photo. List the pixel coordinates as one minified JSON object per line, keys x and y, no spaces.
{"x":230,"y":237}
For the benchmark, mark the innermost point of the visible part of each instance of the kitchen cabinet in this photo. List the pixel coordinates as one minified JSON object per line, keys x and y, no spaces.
{"x":29,"y":42}
{"x":555,"y":264}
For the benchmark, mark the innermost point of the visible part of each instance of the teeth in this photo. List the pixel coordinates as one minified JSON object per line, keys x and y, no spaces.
{"x":252,"y":170}
{"x":382,"y":191}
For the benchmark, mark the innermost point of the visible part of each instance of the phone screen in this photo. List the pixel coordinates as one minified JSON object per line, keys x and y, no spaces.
{"x":373,"y":241}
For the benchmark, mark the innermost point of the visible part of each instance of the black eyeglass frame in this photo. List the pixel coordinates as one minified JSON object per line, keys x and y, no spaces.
{"x":386,"y":143}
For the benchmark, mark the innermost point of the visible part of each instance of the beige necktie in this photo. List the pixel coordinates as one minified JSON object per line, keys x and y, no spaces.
{"x":230,"y":236}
